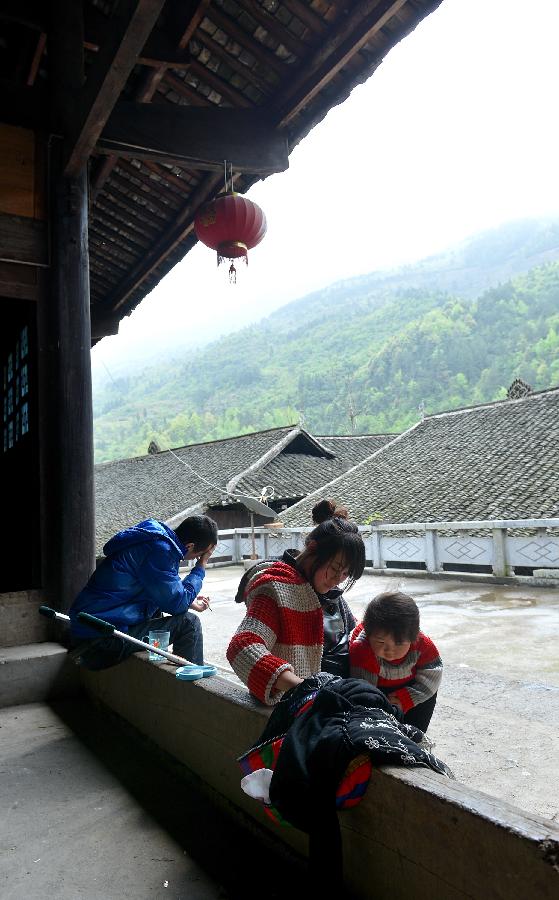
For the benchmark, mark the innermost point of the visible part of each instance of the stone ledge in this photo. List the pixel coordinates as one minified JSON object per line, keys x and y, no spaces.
{"x":414,"y":834}
{"x":32,"y":673}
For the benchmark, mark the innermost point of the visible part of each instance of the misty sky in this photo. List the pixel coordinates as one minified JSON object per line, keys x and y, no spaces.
{"x":456,"y":131}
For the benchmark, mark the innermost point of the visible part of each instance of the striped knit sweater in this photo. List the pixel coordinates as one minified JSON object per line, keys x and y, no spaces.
{"x":282,"y":630}
{"x":408,"y":681}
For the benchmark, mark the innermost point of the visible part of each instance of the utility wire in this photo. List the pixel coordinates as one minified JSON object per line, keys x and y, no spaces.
{"x":222,"y":490}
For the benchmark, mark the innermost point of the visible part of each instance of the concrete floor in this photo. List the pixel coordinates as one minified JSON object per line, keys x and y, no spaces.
{"x":510,"y":631}
{"x":497,"y":718}
{"x":70,"y":827}
{"x":88,"y":810}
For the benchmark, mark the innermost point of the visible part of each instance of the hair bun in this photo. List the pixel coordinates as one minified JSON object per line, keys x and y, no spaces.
{"x":327,"y":509}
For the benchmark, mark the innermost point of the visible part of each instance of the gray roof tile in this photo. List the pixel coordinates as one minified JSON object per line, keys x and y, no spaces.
{"x":498,"y":460}
{"x":166,"y":483}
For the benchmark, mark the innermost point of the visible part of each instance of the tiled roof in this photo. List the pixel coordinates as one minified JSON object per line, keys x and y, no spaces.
{"x":354,"y":448}
{"x":293,"y":475}
{"x":167,"y":483}
{"x":297,"y":474}
{"x":163,"y":484}
{"x":498,"y":460}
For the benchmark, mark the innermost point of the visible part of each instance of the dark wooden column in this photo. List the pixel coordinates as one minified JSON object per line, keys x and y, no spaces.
{"x":65,"y":339}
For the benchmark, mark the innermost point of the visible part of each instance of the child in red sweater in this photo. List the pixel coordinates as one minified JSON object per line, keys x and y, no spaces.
{"x":388,"y":650}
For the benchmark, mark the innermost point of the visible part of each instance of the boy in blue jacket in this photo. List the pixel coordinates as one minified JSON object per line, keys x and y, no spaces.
{"x":138,"y":581}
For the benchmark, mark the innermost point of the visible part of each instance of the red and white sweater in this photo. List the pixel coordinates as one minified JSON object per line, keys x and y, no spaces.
{"x":408,"y":681}
{"x":282,"y":630}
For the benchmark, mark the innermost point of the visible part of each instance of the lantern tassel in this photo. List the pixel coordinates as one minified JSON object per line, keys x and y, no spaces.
{"x":232,"y":274}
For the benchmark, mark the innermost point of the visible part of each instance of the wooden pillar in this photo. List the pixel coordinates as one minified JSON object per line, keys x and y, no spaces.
{"x":65,"y":341}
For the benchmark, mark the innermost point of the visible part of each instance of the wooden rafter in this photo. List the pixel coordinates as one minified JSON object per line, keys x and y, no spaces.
{"x":243,"y":70}
{"x":37,"y":56}
{"x":183,"y":89}
{"x":252,"y":45}
{"x":148,"y":200}
{"x":178,"y":183}
{"x":139,"y":172}
{"x":366,"y":20}
{"x":134,"y":211}
{"x":180,"y":229}
{"x":275,"y":28}
{"x":159,"y":50}
{"x":130,"y":231}
{"x":149,"y":86}
{"x":130,"y":29}
{"x":306,"y":15}
{"x":220,"y":85}
{"x":146,"y":204}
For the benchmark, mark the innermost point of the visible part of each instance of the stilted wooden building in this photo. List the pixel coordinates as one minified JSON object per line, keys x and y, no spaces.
{"x":115,"y":119}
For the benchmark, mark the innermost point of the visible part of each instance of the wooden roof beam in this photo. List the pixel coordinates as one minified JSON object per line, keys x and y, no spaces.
{"x":196,"y":138}
{"x":148,"y":86}
{"x":102,"y":326}
{"x":130,"y":28}
{"x":159,"y":49}
{"x":366,"y":20}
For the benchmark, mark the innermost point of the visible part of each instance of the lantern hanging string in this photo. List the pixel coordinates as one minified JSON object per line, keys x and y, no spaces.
{"x":228,"y":179}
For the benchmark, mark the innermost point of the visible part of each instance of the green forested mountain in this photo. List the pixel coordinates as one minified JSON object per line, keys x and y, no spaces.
{"x":372,"y":350}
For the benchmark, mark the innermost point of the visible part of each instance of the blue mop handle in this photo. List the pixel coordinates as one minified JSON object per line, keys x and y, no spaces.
{"x":98,"y":624}
{"x":107,"y":628}
{"x":50,"y":613}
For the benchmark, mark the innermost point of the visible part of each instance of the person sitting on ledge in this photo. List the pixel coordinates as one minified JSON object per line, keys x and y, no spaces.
{"x":138,"y":581}
{"x":388,"y":650}
{"x":284,"y":636}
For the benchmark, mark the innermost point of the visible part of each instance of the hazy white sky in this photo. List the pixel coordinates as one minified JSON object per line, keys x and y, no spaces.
{"x":457,"y":131}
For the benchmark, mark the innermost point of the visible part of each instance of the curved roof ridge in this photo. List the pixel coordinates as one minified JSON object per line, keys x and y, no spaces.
{"x":493,"y":403}
{"x":363,"y":462}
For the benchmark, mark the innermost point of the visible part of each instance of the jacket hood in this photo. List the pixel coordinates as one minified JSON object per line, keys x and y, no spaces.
{"x":148,"y":530}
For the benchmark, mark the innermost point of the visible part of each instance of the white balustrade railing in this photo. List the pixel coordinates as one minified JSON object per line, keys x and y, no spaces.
{"x":496,"y":547}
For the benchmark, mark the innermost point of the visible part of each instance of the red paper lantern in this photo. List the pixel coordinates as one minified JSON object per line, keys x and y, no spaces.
{"x":232,"y":225}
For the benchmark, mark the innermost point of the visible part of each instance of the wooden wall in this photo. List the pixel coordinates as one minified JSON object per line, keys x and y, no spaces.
{"x":23,"y":212}
{"x":22,"y":179}
{"x":23,"y":265}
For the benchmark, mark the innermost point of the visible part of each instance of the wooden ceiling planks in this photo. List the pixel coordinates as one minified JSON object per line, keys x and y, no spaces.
{"x":294,"y":59}
{"x":131,"y":26}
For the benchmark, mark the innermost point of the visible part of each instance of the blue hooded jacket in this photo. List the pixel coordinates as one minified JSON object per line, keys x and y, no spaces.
{"x":139,"y":576}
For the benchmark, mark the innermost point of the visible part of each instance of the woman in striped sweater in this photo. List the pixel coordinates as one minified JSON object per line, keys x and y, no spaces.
{"x":280,"y":641}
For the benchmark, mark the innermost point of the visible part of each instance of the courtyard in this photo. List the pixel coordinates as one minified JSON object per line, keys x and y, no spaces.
{"x":497,"y":716}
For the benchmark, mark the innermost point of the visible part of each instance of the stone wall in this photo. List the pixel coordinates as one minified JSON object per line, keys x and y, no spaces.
{"x":415,"y":834}
{"x":20,"y":622}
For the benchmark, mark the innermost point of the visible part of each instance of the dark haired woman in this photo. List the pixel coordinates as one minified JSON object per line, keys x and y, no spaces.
{"x":285,"y":632}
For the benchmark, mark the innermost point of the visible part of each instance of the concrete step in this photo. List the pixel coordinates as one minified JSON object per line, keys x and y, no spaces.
{"x":33,"y":673}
